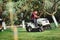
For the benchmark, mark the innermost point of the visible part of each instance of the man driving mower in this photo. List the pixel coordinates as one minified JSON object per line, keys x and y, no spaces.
{"x":34,"y":17}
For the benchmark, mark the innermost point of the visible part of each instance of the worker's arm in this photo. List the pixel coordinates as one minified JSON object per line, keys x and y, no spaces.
{"x":36,"y":16}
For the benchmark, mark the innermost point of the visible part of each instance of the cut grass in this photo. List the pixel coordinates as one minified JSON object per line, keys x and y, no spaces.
{"x":46,"y":35}
{"x":23,"y":35}
{"x":53,"y":34}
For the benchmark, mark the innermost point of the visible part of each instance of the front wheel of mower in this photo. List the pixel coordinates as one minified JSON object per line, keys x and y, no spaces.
{"x":29,"y":29}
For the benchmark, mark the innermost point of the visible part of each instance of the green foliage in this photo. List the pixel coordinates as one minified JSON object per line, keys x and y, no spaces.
{"x":15,"y":0}
{"x":27,"y":6}
{"x":51,"y":5}
{"x":1,"y":1}
{"x":48,"y":4}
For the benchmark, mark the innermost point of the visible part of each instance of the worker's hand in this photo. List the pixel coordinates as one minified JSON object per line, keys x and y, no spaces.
{"x":38,"y":16}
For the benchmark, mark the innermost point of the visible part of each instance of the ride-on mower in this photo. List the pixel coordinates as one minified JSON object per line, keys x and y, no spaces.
{"x":43,"y":24}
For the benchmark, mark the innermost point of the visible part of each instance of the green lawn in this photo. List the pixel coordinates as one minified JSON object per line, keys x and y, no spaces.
{"x":53,"y":34}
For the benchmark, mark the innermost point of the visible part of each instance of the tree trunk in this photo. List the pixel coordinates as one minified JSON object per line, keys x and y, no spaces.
{"x":55,"y":21}
{"x":23,"y":23}
{"x":4,"y":25}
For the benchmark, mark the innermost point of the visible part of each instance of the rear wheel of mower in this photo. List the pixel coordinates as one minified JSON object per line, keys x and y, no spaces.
{"x":41,"y":29}
{"x":49,"y":27}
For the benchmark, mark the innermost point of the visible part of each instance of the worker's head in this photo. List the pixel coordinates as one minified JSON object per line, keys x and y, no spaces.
{"x":35,"y":12}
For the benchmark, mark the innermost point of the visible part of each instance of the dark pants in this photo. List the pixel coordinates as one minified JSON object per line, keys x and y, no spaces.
{"x":0,"y":25}
{"x":35,"y":22}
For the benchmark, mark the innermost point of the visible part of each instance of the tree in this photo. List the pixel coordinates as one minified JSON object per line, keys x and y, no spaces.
{"x":52,"y":9}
